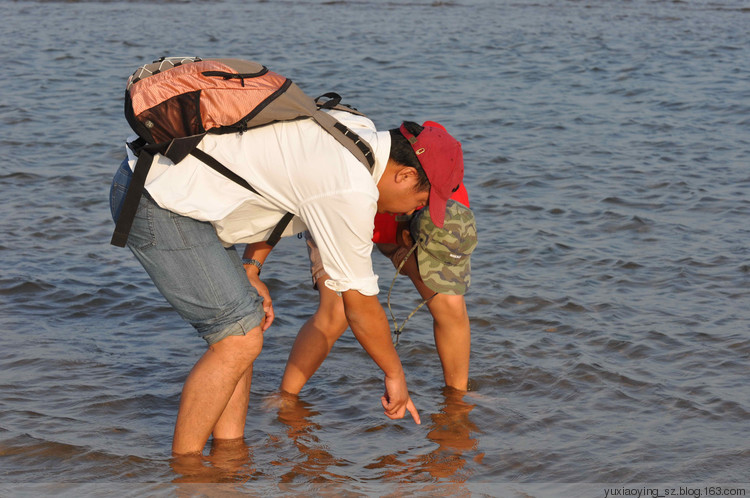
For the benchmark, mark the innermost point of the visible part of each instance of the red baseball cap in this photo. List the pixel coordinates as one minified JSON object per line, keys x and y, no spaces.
{"x":442,"y":159}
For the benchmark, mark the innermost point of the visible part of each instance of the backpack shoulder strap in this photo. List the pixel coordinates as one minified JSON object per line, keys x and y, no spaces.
{"x":346,"y":137}
{"x":135,"y":190}
{"x":334,"y":102}
{"x":212,"y":162}
{"x":349,"y":139}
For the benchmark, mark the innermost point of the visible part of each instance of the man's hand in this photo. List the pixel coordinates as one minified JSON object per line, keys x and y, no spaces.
{"x":259,"y":251}
{"x":396,"y":400}
{"x":370,"y":326}
{"x":257,"y":283}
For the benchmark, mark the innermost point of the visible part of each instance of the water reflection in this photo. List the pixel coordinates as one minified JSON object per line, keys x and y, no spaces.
{"x":314,"y":459}
{"x":455,"y":435}
{"x":228,"y":461}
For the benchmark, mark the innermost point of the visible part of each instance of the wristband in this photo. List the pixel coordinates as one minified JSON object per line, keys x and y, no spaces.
{"x":253,"y":262}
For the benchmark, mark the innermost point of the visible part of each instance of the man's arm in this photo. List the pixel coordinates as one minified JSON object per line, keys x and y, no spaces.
{"x":370,"y":326}
{"x":259,"y":251}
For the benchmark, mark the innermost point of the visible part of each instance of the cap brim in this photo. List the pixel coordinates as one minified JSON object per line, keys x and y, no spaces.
{"x":437,"y":204}
{"x":453,"y":280}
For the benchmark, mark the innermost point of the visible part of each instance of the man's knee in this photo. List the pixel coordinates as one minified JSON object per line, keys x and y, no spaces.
{"x":239,"y":351}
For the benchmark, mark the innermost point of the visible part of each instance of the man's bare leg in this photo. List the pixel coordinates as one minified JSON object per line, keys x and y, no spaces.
{"x":231,"y":424}
{"x":208,"y":389}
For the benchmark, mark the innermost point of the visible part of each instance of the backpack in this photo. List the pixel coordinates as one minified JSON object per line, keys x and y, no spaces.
{"x":172,"y":103}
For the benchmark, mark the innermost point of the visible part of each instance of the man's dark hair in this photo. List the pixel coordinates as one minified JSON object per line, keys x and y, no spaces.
{"x":403,"y":153}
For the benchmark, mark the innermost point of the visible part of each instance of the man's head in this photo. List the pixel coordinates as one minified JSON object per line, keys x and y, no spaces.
{"x":429,"y":161}
{"x":443,"y":254}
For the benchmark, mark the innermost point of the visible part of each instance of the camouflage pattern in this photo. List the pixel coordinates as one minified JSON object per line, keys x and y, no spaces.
{"x":444,"y":253}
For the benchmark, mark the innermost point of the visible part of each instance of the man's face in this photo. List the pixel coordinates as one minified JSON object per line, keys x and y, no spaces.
{"x":406,"y":203}
{"x":398,"y":194}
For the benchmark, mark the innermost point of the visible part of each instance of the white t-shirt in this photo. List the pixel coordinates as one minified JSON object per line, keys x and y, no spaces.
{"x":297,"y":167}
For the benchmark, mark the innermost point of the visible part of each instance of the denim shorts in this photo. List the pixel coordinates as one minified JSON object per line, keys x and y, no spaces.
{"x":204,"y":281}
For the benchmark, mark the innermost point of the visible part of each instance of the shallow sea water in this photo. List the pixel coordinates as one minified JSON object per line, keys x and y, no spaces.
{"x":607,"y":147}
